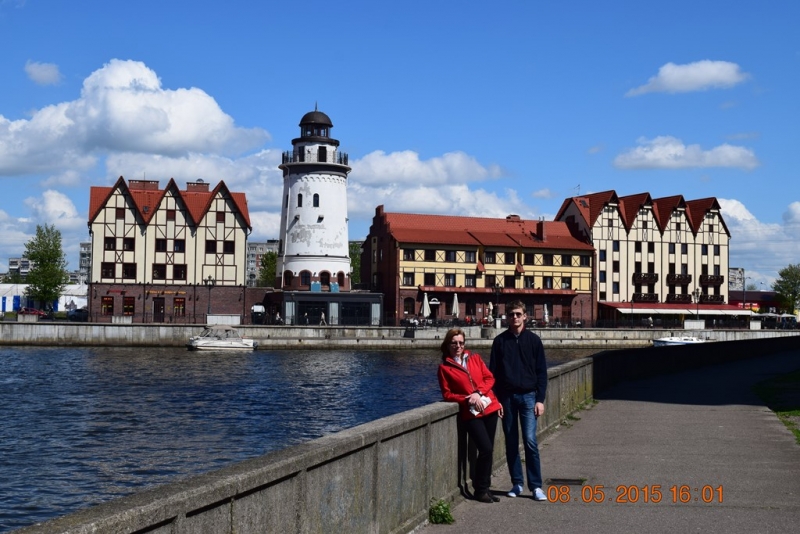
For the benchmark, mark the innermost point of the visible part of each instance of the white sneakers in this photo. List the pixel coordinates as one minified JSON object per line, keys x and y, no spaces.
{"x":538,"y":494}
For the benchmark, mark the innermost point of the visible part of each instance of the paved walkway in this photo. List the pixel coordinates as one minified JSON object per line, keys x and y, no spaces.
{"x":703,"y":428}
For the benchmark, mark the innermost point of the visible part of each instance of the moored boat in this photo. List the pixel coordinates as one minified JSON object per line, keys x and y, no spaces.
{"x":221,"y":337}
{"x":677,"y":340}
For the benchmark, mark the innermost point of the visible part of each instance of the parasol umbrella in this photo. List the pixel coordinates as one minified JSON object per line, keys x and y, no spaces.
{"x":546,"y":317}
{"x":426,"y":307}
{"x":455,"y":305}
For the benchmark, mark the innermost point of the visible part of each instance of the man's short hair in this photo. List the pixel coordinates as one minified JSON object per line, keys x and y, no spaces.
{"x":515,"y":305}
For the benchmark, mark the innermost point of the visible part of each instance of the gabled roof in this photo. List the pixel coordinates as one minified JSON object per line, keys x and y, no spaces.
{"x":696,"y":210}
{"x":664,"y":207}
{"x":630,"y":205}
{"x":147,"y":200}
{"x":590,"y":206}
{"x":511,"y":232}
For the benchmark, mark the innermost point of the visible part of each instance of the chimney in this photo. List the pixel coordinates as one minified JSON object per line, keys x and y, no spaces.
{"x":540,"y":229}
{"x":197,"y":187}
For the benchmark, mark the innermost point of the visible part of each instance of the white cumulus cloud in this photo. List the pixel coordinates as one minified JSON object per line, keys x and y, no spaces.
{"x":43,"y":73}
{"x":667,"y":152}
{"x":697,"y":76}
{"x":405,"y":167}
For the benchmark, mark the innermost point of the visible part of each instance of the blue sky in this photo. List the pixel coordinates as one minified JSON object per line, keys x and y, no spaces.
{"x":461,"y":108}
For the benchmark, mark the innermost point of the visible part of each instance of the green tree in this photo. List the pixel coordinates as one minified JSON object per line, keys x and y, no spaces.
{"x":355,"y":262}
{"x":266,"y":275}
{"x":48,"y":274}
{"x":13,"y":278}
{"x":787,"y":286}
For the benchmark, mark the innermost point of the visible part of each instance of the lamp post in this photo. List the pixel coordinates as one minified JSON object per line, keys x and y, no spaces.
{"x":696,"y":293}
{"x":209,"y":283}
{"x":744,"y":288}
{"x":497,"y":290}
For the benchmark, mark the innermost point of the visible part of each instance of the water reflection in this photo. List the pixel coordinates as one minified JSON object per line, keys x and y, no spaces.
{"x":84,"y":425}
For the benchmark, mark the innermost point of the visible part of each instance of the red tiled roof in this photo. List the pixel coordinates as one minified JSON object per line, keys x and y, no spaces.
{"x":146,"y":201}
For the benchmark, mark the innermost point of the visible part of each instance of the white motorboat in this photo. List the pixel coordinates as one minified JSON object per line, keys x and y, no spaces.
{"x":677,"y":340}
{"x":220,"y":337}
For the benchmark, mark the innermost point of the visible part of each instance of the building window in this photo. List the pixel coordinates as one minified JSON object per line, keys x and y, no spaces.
{"x":170,"y":215}
{"x":490,"y":281}
{"x":651,"y":247}
{"x":450,"y":280}
{"x":510,"y":258}
{"x":179,"y":245}
{"x":129,"y":271}
{"x":305,"y":278}
{"x":107,"y":306}
{"x":161,"y":245}
{"x":684,"y":248}
{"x":615,"y":288}
{"x":488,"y":257}
{"x":615,"y":246}
{"x":602,"y":296}
{"x":527,"y":258}
{"x":179,"y":272}
{"x":547,"y":259}
{"x":211,"y":246}
{"x":509,"y":282}
{"x":547,"y":282}
{"x":716,"y":270}
{"x":300,"y":200}
{"x":408,"y":279}
{"x":684,"y":268}
{"x":228,"y":247}
{"x":408,"y":306}
{"x":450,"y":255}
{"x":672,"y":248}
{"x":527,"y":282}
{"x":430,"y":255}
{"x":469,"y":256}
{"x":408,"y":254}
{"x":637,"y":267}
{"x":637,"y":247}
{"x":128,"y":305}
{"x":704,"y":250}
{"x":110,"y":243}
{"x":325,"y":279}
{"x":128,"y":243}
{"x":429,"y":279}
{"x":316,"y":200}
{"x":220,"y":216}
{"x":615,"y":266}
{"x":159,"y":271}
{"x":120,"y":214}
{"x":179,"y":307}
{"x":566,"y":282}
{"x":586,"y":260}
{"x":566,"y":260}
{"x":602,"y":255}
{"x":678,"y":226}
{"x":602,"y":275}
{"x":107,"y":270}
{"x":716,"y":250}
{"x":469,"y":280}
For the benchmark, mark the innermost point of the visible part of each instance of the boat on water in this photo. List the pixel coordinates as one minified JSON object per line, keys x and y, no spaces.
{"x":677,"y":340}
{"x":221,"y":337}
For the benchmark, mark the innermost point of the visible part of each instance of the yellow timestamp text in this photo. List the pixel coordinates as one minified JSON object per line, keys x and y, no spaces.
{"x":629,"y":494}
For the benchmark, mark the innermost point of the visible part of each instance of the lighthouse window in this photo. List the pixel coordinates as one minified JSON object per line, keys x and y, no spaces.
{"x":316,"y":200}
{"x":300,"y":200}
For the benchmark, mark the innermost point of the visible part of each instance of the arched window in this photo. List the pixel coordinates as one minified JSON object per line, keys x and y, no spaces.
{"x":316,"y":200}
{"x":287,"y":279}
{"x":325,"y":278}
{"x":340,"y":279}
{"x":300,"y":200}
{"x":305,"y":278}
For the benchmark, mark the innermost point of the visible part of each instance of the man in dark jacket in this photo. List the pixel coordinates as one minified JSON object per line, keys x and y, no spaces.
{"x":519,"y":367}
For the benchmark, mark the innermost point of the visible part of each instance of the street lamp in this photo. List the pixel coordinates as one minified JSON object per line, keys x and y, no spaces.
{"x":744,"y":287}
{"x":697,"y":294}
{"x":497,"y":289}
{"x":209,"y":283}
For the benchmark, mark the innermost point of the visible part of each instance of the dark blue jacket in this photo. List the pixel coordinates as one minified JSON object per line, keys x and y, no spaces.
{"x":518,"y":364}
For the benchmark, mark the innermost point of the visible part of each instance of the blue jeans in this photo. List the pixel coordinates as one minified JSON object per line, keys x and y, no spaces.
{"x":519,"y":407}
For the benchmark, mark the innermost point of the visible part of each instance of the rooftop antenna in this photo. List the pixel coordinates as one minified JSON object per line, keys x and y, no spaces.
{"x":577,"y":189}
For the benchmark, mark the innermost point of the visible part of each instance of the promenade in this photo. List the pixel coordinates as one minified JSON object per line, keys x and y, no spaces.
{"x":701,"y":428}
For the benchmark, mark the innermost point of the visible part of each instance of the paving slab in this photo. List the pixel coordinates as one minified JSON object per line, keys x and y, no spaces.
{"x":692,"y":436}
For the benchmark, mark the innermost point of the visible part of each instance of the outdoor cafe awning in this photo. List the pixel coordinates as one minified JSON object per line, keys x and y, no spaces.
{"x":675,"y":309}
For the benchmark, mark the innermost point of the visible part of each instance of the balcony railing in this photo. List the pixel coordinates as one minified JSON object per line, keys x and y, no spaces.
{"x":645,"y":278}
{"x":301,"y":156}
{"x":674,"y":297}
{"x":679,"y":279}
{"x":712,"y":299}
{"x":645,"y":297}
{"x":711,"y":280}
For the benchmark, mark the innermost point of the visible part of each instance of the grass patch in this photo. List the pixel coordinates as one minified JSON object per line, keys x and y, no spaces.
{"x":781,"y":394}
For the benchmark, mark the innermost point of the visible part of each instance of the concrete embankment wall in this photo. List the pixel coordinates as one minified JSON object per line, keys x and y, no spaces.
{"x":379,"y":477}
{"x":334,"y":337}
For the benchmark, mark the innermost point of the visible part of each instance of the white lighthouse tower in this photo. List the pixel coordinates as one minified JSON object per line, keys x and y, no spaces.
{"x":314,"y":251}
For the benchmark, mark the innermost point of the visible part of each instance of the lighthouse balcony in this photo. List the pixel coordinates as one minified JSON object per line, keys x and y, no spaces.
{"x":321,"y":156}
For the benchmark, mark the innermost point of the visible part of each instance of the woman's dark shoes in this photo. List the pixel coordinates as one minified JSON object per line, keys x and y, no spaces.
{"x":486,"y":497}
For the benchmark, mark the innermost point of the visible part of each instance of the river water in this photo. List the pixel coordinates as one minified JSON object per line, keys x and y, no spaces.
{"x":79,"y":426}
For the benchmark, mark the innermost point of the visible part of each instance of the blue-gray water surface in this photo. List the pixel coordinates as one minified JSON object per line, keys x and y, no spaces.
{"x":80,"y":426}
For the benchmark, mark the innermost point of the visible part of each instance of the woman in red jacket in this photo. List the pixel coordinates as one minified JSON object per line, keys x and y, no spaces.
{"x":465,"y":379}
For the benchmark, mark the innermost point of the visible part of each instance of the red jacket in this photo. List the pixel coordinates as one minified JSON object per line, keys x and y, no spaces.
{"x":458,"y":383}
